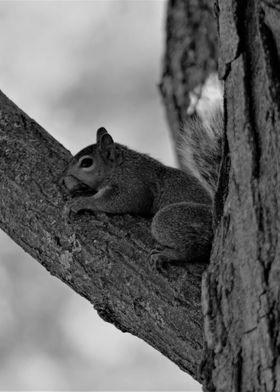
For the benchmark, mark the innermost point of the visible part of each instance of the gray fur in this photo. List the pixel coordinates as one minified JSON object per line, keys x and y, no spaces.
{"x":200,"y":148}
{"x":125,"y":181}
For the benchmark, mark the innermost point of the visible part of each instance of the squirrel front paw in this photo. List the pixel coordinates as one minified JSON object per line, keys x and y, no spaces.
{"x":73,"y":206}
{"x":157,"y":260}
{"x":77,"y":204}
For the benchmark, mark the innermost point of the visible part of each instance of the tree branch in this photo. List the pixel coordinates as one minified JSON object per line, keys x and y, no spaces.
{"x":190,"y":56}
{"x":103,"y":258}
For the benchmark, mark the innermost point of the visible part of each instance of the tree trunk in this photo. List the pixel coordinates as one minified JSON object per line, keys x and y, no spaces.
{"x":241,"y":288}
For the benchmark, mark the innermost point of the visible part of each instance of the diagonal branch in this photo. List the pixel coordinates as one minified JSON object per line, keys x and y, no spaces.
{"x":104,"y":259}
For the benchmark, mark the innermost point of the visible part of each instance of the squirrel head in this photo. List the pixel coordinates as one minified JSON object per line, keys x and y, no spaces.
{"x":89,"y":167}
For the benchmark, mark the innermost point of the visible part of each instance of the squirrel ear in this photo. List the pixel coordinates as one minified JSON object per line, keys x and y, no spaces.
{"x":99,"y":133}
{"x":107,"y":146}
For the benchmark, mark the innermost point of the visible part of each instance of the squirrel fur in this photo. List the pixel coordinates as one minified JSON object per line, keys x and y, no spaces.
{"x":112,"y":178}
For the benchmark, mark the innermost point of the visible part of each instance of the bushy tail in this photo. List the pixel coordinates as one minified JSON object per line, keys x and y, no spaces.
{"x":200,"y":148}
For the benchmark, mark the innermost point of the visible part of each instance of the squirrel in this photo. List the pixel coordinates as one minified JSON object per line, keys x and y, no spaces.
{"x":111,"y":178}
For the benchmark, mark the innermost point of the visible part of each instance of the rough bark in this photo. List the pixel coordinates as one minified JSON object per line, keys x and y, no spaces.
{"x":241,"y":289}
{"x":190,"y":56}
{"x":103,"y":258}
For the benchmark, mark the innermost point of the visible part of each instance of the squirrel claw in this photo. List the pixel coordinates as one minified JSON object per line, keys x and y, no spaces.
{"x":157,"y":260}
{"x":71,"y":207}
{"x":66,"y":211}
{"x":78,"y":204}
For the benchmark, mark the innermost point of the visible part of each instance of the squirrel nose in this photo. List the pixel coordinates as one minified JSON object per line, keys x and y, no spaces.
{"x":70,"y":182}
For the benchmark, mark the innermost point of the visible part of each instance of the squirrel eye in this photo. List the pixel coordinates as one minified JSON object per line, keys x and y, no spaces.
{"x":86,"y":162}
